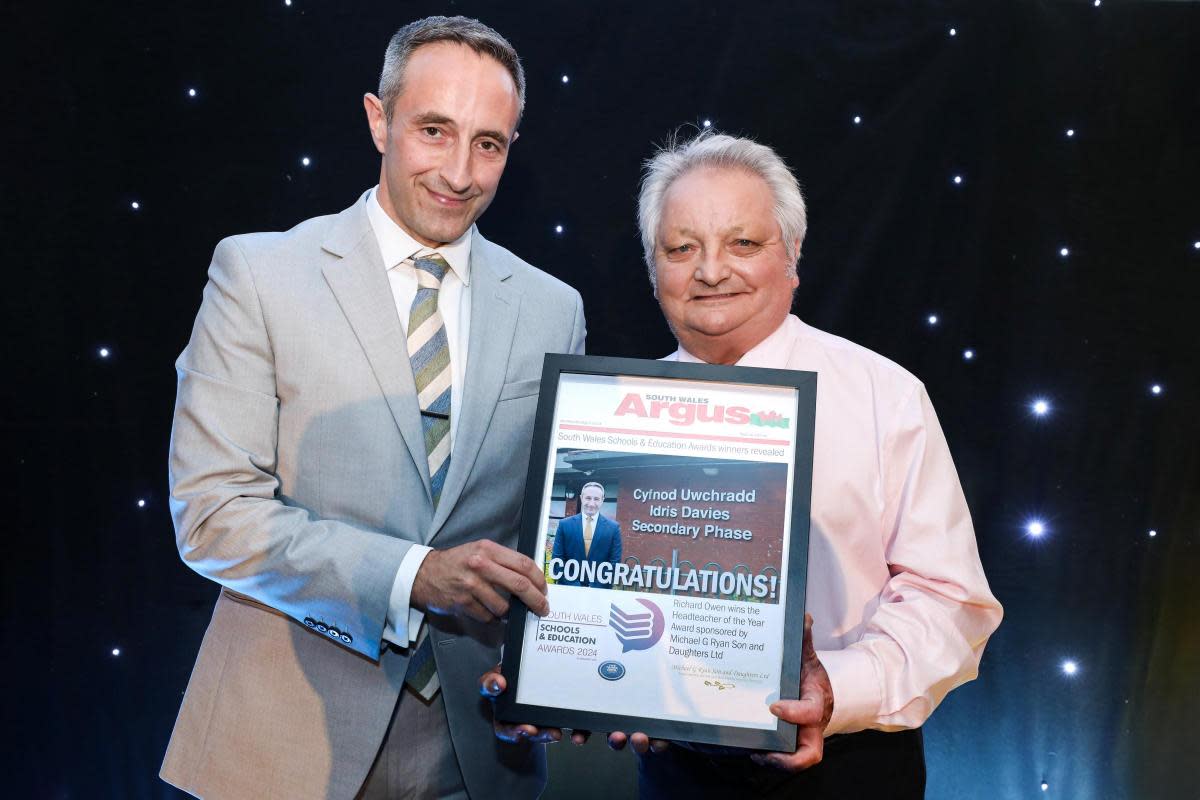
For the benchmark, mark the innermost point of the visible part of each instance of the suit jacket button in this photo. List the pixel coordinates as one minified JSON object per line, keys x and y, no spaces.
{"x":310,"y":622}
{"x":335,"y":633}
{"x":322,"y":628}
{"x":347,"y":638}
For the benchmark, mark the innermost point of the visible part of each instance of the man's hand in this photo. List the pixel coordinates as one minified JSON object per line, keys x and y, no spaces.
{"x":811,"y":713}
{"x":491,"y":685}
{"x":640,"y":742}
{"x":476,"y":579}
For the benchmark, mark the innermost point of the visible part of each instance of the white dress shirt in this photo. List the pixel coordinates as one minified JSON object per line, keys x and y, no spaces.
{"x":901,"y":608}
{"x":454,"y":304}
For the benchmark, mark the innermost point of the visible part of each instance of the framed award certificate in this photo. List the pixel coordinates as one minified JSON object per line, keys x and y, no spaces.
{"x":668,"y":504}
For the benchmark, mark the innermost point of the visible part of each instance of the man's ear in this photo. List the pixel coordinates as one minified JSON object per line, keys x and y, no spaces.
{"x":376,"y":121}
{"x":513,"y":140}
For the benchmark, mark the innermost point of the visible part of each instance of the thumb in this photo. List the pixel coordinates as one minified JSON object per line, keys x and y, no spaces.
{"x":805,"y":711}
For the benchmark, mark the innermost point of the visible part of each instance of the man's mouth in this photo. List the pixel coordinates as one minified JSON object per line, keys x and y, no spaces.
{"x":714,"y":298}
{"x":447,"y":200}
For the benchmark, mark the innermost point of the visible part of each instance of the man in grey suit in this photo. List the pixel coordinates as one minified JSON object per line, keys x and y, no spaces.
{"x":352,"y":425}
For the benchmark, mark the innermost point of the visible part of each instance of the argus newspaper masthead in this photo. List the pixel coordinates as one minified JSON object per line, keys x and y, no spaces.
{"x":668,"y":504}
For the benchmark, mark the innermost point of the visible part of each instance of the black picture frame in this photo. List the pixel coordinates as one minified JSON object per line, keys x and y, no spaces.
{"x":783,"y":737}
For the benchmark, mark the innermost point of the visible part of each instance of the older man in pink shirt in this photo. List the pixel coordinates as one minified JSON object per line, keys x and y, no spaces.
{"x":900,"y":609}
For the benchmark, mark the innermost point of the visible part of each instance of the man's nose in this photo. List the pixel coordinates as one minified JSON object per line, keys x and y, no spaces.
{"x":712,"y":268}
{"x":456,"y":169}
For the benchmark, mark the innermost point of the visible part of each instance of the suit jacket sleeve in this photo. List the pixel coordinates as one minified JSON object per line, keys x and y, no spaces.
{"x":615,"y":549}
{"x":230,"y":524}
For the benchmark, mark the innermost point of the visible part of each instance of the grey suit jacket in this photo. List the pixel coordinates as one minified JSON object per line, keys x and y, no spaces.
{"x":298,"y":482}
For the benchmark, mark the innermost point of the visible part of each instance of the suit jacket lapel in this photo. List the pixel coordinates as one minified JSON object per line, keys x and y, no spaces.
{"x":360,"y":283}
{"x":494,"y":308}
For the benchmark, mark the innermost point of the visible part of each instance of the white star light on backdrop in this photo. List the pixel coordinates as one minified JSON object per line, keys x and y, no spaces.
{"x":708,"y":123}
{"x":103,"y":352}
{"x":1156,"y":389}
{"x":116,"y":651}
{"x":305,"y":161}
{"x":1152,"y":533}
{"x":1069,"y":667}
{"x":566,"y":78}
{"x":954,"y":31}
{"x":931,"y":320}
{"x":135,"y":205}
{"x":1035,"y":528}
{"x":1070,"y":132}
{"x":141,"y":504}
{"x":958,"y":179}
{"x":558,"y":228}
{"x":1045,"y":785}
{"x":1040,"y":406}
{"x":1064,"y":252}
{"x":1196,"y":245}
{"x":968,"y":355}
{"x":857,"y":120}
{"x":191,"y":92}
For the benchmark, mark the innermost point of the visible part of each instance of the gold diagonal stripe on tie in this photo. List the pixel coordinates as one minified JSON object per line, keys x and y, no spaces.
{"x":422,"y":310}
{"x":433,"y":391}
{"x":438,"y":364}
{"x":440,"y":452}
{"x":419,"y":333}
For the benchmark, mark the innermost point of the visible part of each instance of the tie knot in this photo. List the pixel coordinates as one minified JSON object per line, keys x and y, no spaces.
{"x":431,"y":269}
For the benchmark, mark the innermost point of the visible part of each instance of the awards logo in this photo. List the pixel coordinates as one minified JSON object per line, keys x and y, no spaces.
{"x":637,"y":630}
{"x":611,"y":670}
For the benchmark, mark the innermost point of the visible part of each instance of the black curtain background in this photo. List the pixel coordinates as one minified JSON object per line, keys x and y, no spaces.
{"x":98,"y":116}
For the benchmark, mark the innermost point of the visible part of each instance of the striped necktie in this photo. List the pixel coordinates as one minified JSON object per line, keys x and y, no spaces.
{"x":429,"y":353}
{"x":430,"y":356}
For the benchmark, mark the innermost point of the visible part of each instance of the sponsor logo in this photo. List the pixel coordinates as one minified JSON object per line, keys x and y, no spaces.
{"x":611,"y":670}
{"x":637,"y":630}
{"x":689,"y":412}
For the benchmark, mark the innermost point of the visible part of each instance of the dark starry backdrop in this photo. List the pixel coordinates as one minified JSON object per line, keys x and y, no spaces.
{"x":98,"y":116}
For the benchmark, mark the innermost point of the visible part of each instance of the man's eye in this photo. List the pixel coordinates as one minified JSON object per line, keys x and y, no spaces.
{"x":681,"y":249}
{"x":745,"y":243}
{"x":432,"y":132}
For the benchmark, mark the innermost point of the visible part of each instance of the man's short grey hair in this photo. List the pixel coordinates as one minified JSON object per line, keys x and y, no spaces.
{"x":461,"y":30}
{"x":677,"y":157}
{"x":599,"y":486}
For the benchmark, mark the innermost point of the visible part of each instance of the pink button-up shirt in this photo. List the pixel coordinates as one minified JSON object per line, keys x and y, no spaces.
{"x":901,"y":608}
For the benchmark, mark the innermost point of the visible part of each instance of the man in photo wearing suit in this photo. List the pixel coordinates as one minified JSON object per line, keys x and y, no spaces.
{"x":350,"y":394}
{"x":589,"y":535}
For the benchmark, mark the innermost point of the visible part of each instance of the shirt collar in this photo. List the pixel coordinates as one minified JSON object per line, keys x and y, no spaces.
{"x":397,"y":245}
{"x":763,"y":354}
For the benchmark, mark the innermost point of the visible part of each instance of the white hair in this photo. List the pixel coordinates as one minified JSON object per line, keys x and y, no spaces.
{"x":599,"y":486}
{"x":717,"y":150}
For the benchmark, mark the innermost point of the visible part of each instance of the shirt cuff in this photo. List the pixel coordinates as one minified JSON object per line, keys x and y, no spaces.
{"x":857,"y":695}
{"x":403,"y":622}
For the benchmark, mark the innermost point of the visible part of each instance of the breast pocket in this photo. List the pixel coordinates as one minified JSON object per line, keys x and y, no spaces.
{"x":519,"y":389}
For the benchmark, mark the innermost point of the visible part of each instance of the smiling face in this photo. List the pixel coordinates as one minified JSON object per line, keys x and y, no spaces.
{"x":724,"y":279}
{"x":447,"y":143}
{"x":591,"y":498}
